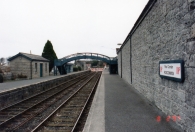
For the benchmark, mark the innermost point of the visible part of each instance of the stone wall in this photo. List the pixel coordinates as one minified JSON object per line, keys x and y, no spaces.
{"x":119,"y":63}
{"x":12,"y":96}
{"x":36,"y":73}
{"x":20,"y":65}
{"x":126,"y":63}
{"x":166,"y":33}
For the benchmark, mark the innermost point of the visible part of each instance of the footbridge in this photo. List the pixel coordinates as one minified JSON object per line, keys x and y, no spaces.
{"x":61,"y":64}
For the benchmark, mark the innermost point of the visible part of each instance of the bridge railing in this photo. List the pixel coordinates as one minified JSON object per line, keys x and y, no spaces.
{"x":85,"y":55}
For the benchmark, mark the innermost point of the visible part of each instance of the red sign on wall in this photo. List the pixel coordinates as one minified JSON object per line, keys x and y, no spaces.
{"x":173,"y":70}
{"x":178,"y":70}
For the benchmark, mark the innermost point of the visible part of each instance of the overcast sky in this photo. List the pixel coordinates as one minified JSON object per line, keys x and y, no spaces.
{"x":72,"y":26}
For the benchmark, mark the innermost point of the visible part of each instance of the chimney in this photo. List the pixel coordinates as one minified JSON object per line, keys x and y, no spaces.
{"x":117,"y":49}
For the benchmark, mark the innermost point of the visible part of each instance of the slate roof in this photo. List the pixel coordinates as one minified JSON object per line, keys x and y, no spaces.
{"x":30,"y":57}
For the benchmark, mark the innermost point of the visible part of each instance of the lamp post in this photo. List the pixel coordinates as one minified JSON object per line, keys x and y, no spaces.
{"x":117,"y":49}
{"x":120,"y":58}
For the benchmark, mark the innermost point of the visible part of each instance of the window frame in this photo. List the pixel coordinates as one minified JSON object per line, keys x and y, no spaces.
{"x":36,"y":67}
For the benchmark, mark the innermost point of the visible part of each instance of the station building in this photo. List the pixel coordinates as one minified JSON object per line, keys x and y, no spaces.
{"x":30,"y":65}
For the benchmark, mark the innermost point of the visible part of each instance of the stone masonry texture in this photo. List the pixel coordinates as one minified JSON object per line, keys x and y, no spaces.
{"x":15,"y":95}
{"x":126,"y":62}
{"x":21,"y":65}
{"x":45,"y":71}
{"x":166,"y":33}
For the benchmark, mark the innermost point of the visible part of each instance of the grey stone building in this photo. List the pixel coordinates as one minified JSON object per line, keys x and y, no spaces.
{"x":164,"y":31}
{"x":82,"y":64}
{"x":33,"y":66}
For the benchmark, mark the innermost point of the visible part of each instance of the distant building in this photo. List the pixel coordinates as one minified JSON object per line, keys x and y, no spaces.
{"x":88,"y":66}
{"x":33,"y":66}
{"x":82,"y":64}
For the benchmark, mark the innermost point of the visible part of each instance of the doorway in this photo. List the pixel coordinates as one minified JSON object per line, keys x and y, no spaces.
{"x":41,"y":70}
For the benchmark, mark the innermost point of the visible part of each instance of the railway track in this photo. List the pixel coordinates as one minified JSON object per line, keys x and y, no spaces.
{"x":67,"y":115}
{"x":27,"y":114}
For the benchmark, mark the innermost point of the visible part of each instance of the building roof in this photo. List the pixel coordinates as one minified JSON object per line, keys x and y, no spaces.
{"x":30,"y":57}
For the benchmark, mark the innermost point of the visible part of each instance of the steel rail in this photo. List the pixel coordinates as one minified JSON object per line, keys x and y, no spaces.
{"x":95,"y":85}
{"x":3,"y":123}
{"x":31,"y":107}
{"x":39,"y":125}
{"x":43,"y":108}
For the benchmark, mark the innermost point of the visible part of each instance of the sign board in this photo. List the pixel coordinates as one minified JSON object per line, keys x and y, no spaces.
{"x":172,"y":70}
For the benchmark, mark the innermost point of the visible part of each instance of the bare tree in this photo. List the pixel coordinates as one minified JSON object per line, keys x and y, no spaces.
{"x":2,"y":61}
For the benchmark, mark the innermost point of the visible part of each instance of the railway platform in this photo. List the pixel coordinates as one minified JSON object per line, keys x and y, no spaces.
{"x":7,"y":86}
{"x":117,"y":107}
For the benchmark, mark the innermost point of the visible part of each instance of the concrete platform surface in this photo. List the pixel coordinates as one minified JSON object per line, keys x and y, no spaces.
{"x":6,"y":86}
{"x":117,"y":107}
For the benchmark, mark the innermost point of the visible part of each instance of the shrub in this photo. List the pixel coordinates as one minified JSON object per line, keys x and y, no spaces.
{"x":22,"y":76}
{"x":7,"y":69}
{"x":79,"y":68}
{"x":75,"y":69}
{"x":13,"y":77}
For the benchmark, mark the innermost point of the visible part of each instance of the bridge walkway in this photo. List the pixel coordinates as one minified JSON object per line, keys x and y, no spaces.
{"x":117,"y":107}
{"x":61,"y":63}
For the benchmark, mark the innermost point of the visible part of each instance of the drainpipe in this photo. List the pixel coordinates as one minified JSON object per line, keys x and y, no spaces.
{"x":130,"y":60}
{"x":31,"y":69}
{"x":121,"y":64}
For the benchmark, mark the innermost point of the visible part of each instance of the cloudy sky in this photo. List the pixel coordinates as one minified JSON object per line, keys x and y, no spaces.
{"x":71,"y":25}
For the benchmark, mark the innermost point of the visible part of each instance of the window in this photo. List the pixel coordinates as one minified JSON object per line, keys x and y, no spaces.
{"x":45,"y":66}
{"x":35,"y":67}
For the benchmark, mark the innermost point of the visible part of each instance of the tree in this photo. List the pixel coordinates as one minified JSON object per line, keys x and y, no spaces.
{"x":2,"y":61}
{"x":79,"y":68}
{"x":94,"y":63}
{"x":75,"y":69}
{"x":49,"y":53}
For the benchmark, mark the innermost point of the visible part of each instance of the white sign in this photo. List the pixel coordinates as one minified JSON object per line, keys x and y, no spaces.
{"x":171,"y":70}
